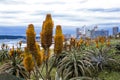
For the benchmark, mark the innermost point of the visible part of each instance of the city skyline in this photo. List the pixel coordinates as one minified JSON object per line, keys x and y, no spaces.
{"x":69,"y":14}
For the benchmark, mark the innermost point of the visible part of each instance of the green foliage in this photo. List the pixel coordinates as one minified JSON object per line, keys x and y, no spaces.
{"x":6,"y":76}
{"x":118,"y":47}
{"x":101,"y":57}
{"x":81,"y":78}
{"x":4,"y":53}
{"x":74,"y":65}
{"x":14,"y":66}
{"x":107,"y":75}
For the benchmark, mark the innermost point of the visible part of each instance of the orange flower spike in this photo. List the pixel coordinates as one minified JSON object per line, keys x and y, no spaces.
{"x":25,"y":53}
{"x":102,"y":40}
{"x":42,"y":35}
{"x":72,"y":42}
{"x":31,"y":36}
{"x":19,"y":52}
{"x":38,"y":55}
{"x":96,"y":41}
{"x":28,"y":63}
{"x":58,"y":40}
{"x":87,"y":43}
{"x":97,"y":46}
{"x":81,"y":41}
{"x":47,"y":31}
{"x":108,"y":42}
{"x":11,"y":53}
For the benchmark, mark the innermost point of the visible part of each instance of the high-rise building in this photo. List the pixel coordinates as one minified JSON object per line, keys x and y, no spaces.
{"x":99,"y":33}
{"x":115,"y":30}
{"x":77,"y":32}
{"x":80,"y":32}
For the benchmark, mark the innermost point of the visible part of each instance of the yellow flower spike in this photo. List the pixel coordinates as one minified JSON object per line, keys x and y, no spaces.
{"x":108,"y":42}
{"x":81,"y":41}
{"x":48,"y":17}
{"x":38,"y":55}
{"x":47,"y":31}
{"x":37,"y":46}
{"x":28,"y":62}
{"x":102,"y":39}
{"x":19,"y":52}
{"x":39,"y":58}
{"x":58,"y":40}
{"x":31,"y":36}
{"x":87,"y":43}
{"x":11,"y":53}
{"x":72,"y":42}
{"x":97,"y":46}
{"x":58,"y":30}
{"x":77,"y":44}
{"x":97,"y":41}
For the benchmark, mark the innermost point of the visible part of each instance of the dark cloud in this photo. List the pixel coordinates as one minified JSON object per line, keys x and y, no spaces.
{"x":110,"y":24}
{"x":11,"y":12}
{"x":104,"y":10}
{"x":68,"y":17}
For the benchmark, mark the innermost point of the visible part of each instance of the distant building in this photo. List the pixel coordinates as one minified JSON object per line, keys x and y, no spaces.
{"x":77,"y":32}
{"x":115,"y":30}
{"x":67,"y":36}
{"x":99,"y":33}
{"x":80,"y":32}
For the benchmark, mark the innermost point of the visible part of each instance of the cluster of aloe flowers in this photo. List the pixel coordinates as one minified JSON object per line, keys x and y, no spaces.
{"x":80,"y":59}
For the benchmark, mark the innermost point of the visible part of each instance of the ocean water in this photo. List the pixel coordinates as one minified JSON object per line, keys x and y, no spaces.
{"x":11,"y":43}
{"x":21,"y":31}
{"x":14,"y":42}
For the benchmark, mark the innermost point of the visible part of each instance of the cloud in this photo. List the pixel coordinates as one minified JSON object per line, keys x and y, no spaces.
{"x":112,"y":23}
{"x":83,"y":1}
{"x":11,"y":12}
{"x":104,"y":10}
{"x":41,"y":12}
{"x":109,"y":18}
{"x":54,"y":3}
{"x":9,"y":2}
{"x":72,"y":13}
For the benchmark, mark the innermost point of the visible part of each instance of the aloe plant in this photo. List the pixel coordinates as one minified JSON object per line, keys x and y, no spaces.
{"x":74,"y":65}
{"x":4,"y":52}
{"x":101,"y":57}
{"x":14,"y":66}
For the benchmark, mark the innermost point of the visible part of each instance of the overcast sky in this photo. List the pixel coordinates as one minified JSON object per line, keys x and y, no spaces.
{"x":68,"y":13}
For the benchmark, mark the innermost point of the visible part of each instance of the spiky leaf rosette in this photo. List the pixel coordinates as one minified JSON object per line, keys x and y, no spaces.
{"x":73,"y":65}
{"x":47,"y":31}
{"x":58,"y":40}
